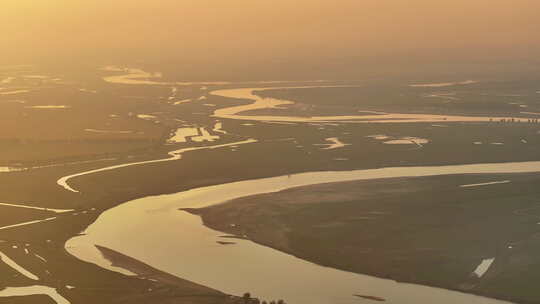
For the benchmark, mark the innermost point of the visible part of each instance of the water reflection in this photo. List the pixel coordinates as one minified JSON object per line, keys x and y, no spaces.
{"x":260,"y":103}
{"x":177,"y":242}
{"x":33,"y":290}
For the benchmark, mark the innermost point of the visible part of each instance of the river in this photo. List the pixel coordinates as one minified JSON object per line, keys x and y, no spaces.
{"x":154,"y":231}
{"x":260,"y":103}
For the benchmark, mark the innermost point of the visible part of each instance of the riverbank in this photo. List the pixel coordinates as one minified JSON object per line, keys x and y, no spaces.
{"x":158,"y":215}
{"x":428,"y":230}
{"x":113,"y":152}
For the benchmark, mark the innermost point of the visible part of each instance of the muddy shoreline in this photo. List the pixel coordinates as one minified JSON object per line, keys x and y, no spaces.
{"x":269,"y":219}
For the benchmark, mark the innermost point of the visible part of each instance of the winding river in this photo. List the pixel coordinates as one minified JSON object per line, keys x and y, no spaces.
{"x":154,"y":231}
{"x":260,"y":103}
{"x":173,"y":155}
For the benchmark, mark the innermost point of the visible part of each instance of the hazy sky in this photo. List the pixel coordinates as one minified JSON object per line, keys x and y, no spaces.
{"x":199,"y":29}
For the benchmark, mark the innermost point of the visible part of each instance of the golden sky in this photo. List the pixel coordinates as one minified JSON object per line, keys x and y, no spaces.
{"x":199,"y":28}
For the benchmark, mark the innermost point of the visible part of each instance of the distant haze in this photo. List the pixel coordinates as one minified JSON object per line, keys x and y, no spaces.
{"x":234,"y":30}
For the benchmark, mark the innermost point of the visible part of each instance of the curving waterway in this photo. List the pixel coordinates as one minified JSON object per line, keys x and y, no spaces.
{"x":33,"y":290}
{"x":261,"y":103}
{"x":173,"y":155}
{"x":9,"y":292}
{"x":153,"y":230}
